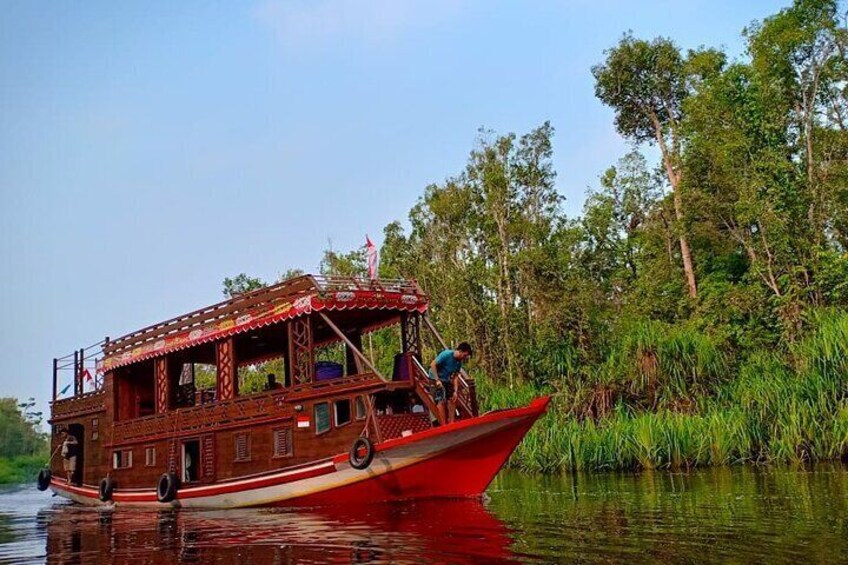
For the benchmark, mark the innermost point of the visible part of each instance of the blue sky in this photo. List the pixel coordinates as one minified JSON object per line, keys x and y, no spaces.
{"x":148,"y":150}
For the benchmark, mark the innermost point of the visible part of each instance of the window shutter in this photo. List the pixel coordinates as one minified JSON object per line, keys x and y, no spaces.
{"x":282,"y":442}
{"x":242,"y":447}
{"x":207,"y":456}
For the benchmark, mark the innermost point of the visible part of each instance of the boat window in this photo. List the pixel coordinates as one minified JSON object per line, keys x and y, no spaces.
{"x":122,"y":459}
{"x":360,"y":408}
{"x":322,"y":417}
{"x":149,"y":456}
{"x":342,"y":411}
{"x":241,"y":447}
{"x":205,"y":382}
{"x":182,"y":379}
{"x":261,"y":376}
{"x":283,"y":442}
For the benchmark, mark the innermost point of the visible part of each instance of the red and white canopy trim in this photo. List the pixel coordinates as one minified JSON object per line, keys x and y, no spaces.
{"x":264,"y":316}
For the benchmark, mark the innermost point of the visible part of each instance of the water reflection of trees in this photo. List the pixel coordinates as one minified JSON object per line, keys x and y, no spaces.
{"x":718,"y":514}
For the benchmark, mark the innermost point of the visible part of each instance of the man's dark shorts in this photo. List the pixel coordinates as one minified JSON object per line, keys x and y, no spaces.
{"x":442,"y":393}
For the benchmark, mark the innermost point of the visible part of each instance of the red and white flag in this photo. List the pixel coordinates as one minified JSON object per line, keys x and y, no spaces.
{"x":371,"y":255}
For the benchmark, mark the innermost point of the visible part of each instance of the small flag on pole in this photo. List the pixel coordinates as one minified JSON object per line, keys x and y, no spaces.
{"x":371,"y":255}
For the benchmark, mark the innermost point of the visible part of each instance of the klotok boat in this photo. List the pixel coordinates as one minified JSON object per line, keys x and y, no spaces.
{"x":165,"y":423}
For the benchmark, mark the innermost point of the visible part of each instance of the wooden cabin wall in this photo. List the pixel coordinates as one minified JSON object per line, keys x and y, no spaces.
{"x":307,"y":447}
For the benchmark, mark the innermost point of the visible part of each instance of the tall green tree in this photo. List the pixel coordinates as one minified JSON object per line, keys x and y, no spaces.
{"x":646,"y":83}
{"x":801,"y":51}
{"x":19,"y":429}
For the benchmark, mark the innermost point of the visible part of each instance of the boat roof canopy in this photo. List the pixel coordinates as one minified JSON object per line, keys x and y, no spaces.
{"x":367,"y":304}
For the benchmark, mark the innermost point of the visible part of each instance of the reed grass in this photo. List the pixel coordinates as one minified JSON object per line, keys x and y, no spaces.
{"x":789,"y":406}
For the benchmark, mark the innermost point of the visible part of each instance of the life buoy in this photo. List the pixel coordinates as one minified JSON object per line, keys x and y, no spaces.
{"x":107,"y":487}
{"x":166,"y":490}
{"x":361,"y":453}
{"x":43,"y":481}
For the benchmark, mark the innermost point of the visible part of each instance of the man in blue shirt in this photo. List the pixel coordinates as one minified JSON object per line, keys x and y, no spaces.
{"x":444,"y":372}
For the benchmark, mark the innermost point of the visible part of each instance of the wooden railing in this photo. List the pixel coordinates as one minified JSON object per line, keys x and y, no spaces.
{"x":88,"y":403}
{"x":212,"y":416}
{"x":422,"y":386}
{"x":333,"y":283}
{"x":342,"y":384}
{"x":247,"y":409}
{"x":466,"y":394}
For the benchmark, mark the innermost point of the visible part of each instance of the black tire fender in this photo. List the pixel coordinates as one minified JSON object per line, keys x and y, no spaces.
{"x":361,"y":453}
{"x":107,"y":487}
{"x":43,"y":481}
{"x":166,"y":489}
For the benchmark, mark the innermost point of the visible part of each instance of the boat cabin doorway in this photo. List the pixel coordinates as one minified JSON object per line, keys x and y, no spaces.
{"x":78,"y":432}
{"x":191,"y":461}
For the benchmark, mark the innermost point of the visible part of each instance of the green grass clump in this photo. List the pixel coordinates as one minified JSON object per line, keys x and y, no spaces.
{"x":789,"y":407}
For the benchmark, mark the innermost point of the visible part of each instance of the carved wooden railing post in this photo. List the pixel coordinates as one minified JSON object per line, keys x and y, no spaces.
{"x":227,"y":385}
{"x":410,"y":327}
{"x":301,"y":350}
{"x":163,"y":385}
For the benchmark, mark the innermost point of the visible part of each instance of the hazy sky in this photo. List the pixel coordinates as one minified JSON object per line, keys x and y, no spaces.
{"x":150,"y":149}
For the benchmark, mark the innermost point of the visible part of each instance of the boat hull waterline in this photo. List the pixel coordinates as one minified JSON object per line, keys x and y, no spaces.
{"x":456,"y":460}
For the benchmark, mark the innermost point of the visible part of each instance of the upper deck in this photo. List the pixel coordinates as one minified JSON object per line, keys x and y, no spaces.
{"x":262,"y":307}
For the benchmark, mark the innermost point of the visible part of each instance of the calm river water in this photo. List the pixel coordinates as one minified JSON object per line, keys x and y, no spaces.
{"x":729,"y":515}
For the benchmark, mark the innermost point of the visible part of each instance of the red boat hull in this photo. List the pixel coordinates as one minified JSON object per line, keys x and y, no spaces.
{"x":456,"y":460}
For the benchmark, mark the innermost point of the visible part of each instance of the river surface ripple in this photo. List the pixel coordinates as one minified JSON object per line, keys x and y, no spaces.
{"x":726,"y":515}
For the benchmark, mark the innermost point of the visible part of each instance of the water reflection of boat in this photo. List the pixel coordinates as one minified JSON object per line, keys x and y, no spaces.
{"x":455,"y":531}
{"x":154,"y":434}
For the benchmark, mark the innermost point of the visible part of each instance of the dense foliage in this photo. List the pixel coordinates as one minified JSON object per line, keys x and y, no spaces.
{"x":694,"y":313}
{"x":23,"y":447}
{"x":19,"y":428}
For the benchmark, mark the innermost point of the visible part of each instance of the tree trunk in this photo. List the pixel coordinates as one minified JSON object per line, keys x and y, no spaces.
{"x":688,"y":268}
{"x":674,"y":180}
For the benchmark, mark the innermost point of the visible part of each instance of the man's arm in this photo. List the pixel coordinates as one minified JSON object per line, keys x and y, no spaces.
{"x":434,"y":373}
{"x":455,"y":381}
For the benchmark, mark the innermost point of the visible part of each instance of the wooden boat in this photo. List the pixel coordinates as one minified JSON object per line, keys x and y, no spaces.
{"x":148,"y":434}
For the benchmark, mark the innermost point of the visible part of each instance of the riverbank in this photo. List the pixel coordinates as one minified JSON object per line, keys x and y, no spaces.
{"x":20,"y":469}
{"x":789,"y":407}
